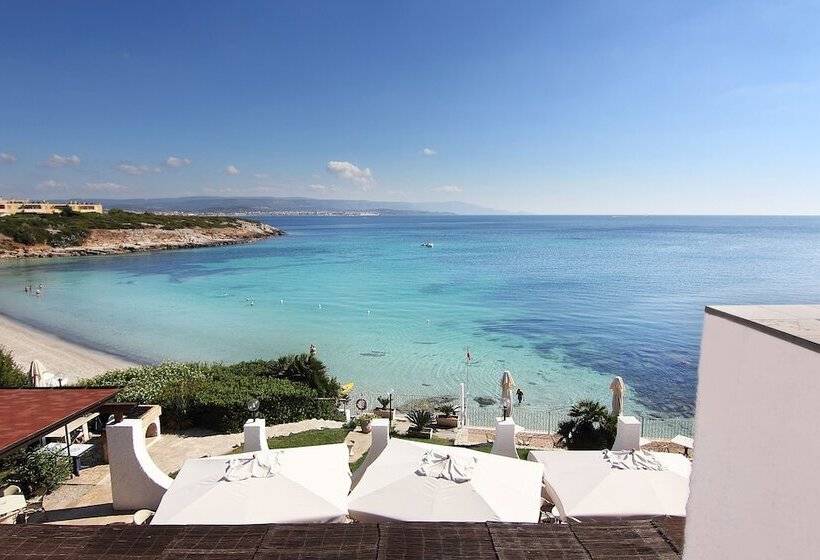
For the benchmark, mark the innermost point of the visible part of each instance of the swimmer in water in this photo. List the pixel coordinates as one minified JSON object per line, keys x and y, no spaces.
{"x":312,"y":350}
{"x":469,"y":357}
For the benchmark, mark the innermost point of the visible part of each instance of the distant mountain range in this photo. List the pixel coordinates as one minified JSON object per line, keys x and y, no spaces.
{"x":289,"y":205}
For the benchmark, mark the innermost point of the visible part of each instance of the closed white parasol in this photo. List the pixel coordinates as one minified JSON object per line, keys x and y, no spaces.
{"x":618,"y":389}
{"x":506,"y":391}
{"x":35,"y":373}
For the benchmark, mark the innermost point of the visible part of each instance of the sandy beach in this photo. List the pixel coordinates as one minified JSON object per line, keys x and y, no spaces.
{"x":57,"y":355}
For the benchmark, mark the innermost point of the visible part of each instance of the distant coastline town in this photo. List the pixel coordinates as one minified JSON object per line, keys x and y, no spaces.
{"x":10,"y":207}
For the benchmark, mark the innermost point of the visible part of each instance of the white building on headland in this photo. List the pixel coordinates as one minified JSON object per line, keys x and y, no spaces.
{"x":9,"y":207}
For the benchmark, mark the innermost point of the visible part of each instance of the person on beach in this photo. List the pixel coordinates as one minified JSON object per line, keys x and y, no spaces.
{"x":520,"y":394}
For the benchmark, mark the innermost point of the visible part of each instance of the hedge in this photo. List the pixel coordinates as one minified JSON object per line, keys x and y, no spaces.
{"x":214,"y":396}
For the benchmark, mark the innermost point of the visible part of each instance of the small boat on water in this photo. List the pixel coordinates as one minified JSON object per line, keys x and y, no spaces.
{"x":427,"y":244}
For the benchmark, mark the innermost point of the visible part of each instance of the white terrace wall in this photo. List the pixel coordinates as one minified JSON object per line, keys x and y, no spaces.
{"x":755,"y":490}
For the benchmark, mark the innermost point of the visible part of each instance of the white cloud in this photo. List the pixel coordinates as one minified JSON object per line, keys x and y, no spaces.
{"x":428,"y":152}
{"x":449,"y":189}
{"x":7,"y":158}
{"x":131,"y":169}
{"x":232,"y":170}
{"x":352,"y":172}
{"x":57,"y":160}
{"x":261,"y":175}
{"x":106,"y":187}
{"x":175,"y":161}
{"x":49,"y":185}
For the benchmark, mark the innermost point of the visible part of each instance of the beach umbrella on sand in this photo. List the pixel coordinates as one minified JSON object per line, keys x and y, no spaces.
{"x":618,"y":388}
{"x":506,"y":389}
{"x":35,"y":373}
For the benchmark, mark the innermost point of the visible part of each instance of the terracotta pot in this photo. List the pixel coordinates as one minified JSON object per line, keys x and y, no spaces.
{"x":366,"y":428}
{"x":426,"y":433}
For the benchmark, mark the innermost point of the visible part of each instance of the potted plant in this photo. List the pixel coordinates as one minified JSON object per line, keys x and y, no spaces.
{"x":447,"y":416}
{"x":363,"y":421}
{"x":384,"y":410}
{"x":420,"y":421}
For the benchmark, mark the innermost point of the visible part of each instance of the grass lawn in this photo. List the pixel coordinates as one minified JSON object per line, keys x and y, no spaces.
{"x":337,"y":435}
{"x":311,"y":437}
{"x":483,"y":447}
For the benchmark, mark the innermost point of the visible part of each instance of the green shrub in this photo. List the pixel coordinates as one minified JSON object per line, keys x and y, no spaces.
{"x":590,"y":427}
{"x":69,"y":228}
{"x":10,"y":374}
{"x":215,"y":396}
{"x":37,"y":472}
{"x":300,"y":368}
{"x":448,"y":409}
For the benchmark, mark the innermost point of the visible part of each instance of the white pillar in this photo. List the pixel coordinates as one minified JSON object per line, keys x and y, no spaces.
{"x":628,"y":435}
{"x":136,"y":481}
{"x":379,"y":438}
{"x":504,"y":442}
{"x":255,"y":438}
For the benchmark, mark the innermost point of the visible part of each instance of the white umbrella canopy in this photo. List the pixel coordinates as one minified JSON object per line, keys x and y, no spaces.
{"x":618,"y":388}
{"x":500,"y":488}
{"x":311,"y":487}
{"x":584,"y":486}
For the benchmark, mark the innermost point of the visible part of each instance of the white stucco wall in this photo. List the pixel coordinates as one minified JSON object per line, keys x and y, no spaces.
{"x":755,"y":489}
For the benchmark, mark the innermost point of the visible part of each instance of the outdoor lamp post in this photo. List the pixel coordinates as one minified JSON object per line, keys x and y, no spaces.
{"x":390,"y":411}
{"x":253,"y":407}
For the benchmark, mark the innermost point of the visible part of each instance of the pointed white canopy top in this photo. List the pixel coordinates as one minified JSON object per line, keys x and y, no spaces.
{"x":310,"y":486}
{"x":500,"y":488}
{"x":584,"y":486}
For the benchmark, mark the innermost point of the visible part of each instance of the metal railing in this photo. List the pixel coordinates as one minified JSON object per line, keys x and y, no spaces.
{"x":530,"y":417}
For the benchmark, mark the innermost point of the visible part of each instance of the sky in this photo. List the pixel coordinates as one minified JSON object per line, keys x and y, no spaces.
{"x":540,"y":107}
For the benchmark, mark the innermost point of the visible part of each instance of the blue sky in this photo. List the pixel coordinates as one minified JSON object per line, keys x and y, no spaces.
{"x":547,"y":107}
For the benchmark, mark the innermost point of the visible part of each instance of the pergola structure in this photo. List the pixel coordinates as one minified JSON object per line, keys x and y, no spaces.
{"x":642,"y":540}
{"x":28,"y":414}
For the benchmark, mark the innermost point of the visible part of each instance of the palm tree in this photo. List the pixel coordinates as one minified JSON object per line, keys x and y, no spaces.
{"x":590,"y":426}
{"x":306,"y":369}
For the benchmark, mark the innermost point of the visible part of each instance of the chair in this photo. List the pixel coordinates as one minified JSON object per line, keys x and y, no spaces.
{"x":143,"y":516}
{"x":490,"y":437}
{"x":11,"y":490}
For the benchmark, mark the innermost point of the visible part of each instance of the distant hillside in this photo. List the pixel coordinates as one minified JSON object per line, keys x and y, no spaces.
{"x":70,"y":234}
{"x":275,"y":205}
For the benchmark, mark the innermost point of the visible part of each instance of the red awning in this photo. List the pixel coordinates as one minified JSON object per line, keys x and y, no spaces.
{"x":28,"y":414}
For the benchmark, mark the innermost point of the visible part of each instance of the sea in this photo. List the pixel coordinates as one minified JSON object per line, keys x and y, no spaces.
{"x":562,"y":302}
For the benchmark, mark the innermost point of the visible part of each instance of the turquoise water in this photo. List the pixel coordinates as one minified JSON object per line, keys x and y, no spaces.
{"x":562,"y":302}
